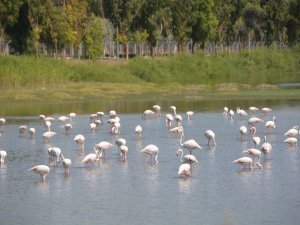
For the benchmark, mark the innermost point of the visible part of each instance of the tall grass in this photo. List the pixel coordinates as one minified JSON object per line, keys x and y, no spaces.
{"x":255,"y":67}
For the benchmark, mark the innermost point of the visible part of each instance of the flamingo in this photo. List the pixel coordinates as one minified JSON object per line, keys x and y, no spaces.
{"x":231,"y":113}
{"x":148,"y":114}
{"x":190,"y":144}
{"x":112,"y":114}
{"x":254,"y":120}
{"x":178,"y":119}
{"x":93,"y":127}
{"x":42,"y":170}
{"x":157,"y":109}
{"x":54,"y":154}
{"x":173,"y":108}
{"x":93,"y":117}
{"x":255,"y":139}
{"x":119,"y":143}
{"x":253,"y":109}
{"x":266,"y":147}
{"x":48,"y":135}
{"x":271,"y":123}
{"x":189,"y":115}
{"x":169,"y":120}
{"x":98,"y":122}
{"x":2,"y":122}
{"x":123,"y":150}
{"x":225,"y":113}
{"x":115,"y":128}
{"x":241,"y":112}
{"x":255,"y":153}
{"x":3,"y":155}
{"x":91,"y":157}
{"x":67,"y":127}
{"x":31,"y":131}
{"x":178,"y":129}
{"x":138,"y":130}
{"x":48,"y":125}
{"x":184,"y":170}
{"x":266,"y":110}
{"x":103,"y":147}
{"x":63,"y":118}
{"x":151,"y":150}
{"x":72,"y":115}
{"x":211,"y":136}
{"x":293,"y":132}
{"x":243,"y":130}
{"x":246,"y":161}
{"x":22,"y":129}
{"x":79,"y":139}
{"x":291,"y":141}
{"x":187,"y":158}
{"x":66,"y":163}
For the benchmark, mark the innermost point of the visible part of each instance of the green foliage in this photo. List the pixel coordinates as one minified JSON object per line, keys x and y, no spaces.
{"x":94,"y":38}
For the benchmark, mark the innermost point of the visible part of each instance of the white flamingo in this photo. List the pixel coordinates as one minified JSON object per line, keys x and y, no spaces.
{"x":3,"y":155}
{"x":66,"y":163}
{"x":178,"y":119}
{"x":184,"y":170}
{"x":119,"y":142}
{"x":189,"y":115}
{"x":148,"y":114}
{"x":103,"y":147}
{"x":123,"y":151}
{"x":63,"y":118}
{"x":67,"y":127}
{"x":93,"y":127}
{"x":178,"y":129}
{"x":231,"y":113}
{"x":48,"y":135}
{"x":246,"y":162}
{"x":42,"y":170}
{"x":187,"y":158}
{"x":79,"y":139}
{"x":72,"y":115}
{"x":54,"y":155}
{"x":48,"y":125}
{"x":190,"y":144}
{"x":255,"y":153}
{"x":292,"y":141}
{"x":241,"y":112}
{"x":91,"y":157}
{"x":271,"y":123}
{"x":169,"y":120}
{"x":211,"y":136}
{"x":253,"y":109}
{"x":157,"y":109}
{"x":266,"y":110}
{"x":293,"y":132}
{"x":255,"y":139}
{"x":173,"y":108}
{"x":242,"y":131}
{"x":266,"y":147}
{"x":22,"y":129}
{"x":138,"y":130}
{"x":226,"y":110}
{"x":31,"y":131}
{"x":115,"y":128}
{"x":255,"y":120}
{"x":151,"y":150}
{"x":2,"y":122}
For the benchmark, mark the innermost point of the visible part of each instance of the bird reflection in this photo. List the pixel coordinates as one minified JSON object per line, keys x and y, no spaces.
{"x":267,"y":164}
{"x":184,"y":185}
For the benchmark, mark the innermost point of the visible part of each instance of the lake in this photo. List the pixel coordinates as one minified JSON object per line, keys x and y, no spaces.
{"x":115,"y":191}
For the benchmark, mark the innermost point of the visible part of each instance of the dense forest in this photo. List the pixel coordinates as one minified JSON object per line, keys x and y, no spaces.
{"x":56,"y":24}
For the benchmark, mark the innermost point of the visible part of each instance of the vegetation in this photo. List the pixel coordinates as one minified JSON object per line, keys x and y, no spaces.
{"x":63,"y":23}
{"x":44,"y":77}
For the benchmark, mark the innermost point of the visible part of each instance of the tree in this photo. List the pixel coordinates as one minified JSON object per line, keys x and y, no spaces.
{"x":93,"y":38}
{"x":203,"y":22}
{"x":9,"y":13}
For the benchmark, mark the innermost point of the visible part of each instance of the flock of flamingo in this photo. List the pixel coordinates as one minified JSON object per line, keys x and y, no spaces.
{"x":174,"y":123}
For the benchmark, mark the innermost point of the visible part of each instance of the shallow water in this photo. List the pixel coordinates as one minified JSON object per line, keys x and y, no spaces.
{"x":139,"y":192}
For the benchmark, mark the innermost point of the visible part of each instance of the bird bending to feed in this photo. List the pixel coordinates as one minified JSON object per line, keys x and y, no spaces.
{"x":138,"y":131}
{"x":293,"y":132}
{"x":243,"y":131}
{"x":255,"y":153}
{"x":123,"y":151}
{"x":3,"y":155}
{"x":103,"y":147}
{"x":169,"y":120}
{"x":67,"y":127}
{"x":253,"y":109}
{"x":184,"y":170}
{"x":226,"y":110}
{"x":190,"y":144}
{"x":254,"y":120}
{"x":266,"y":110}
{"x":91,"y":157}
{"x":79,"y":139}
{"x":157,"y":109}
{"x":246,"y":162}
{"x":178,"y":129}
{"x":48,"y":135}
{"x":292,"y":141}
{"x":211,"y":136}
{"x":31,"y":132}
{"x":189,"y":115}
{"x":22,"y":129}
{"x":173,"y":108}
{"x":187,"y":158}
{"x":148,"y":114}
{"x":151,"y":150}
{"x":66,"y":163}
{"x":54,"y":155}
{"x":42,"y":170}
{"x":2,"y":122}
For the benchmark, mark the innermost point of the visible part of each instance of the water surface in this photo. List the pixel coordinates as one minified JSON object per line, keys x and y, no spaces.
{"x":138,"y":192}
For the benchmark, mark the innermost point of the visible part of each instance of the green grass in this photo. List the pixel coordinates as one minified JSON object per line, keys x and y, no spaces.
{"x":39,"y":78}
